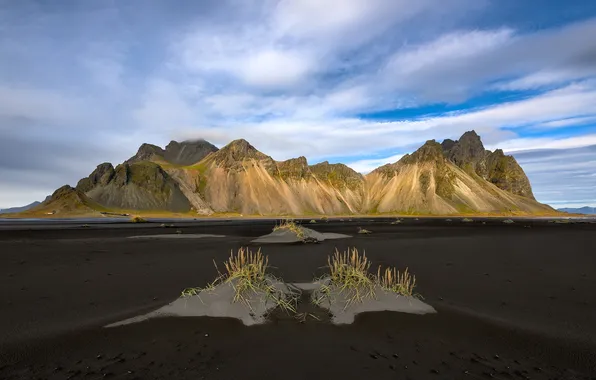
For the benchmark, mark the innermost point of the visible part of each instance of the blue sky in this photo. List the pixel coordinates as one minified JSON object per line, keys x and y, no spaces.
{"x":357,"y":81}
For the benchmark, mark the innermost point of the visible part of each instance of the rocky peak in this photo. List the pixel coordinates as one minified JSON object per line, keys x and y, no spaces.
{"x":146,"y":152}
{"x":63,"y":191}
{"x":239,"y":152}
{"x":467,"y":151}
{"x":188,"y":152}
{"x":101,"y":176}
{"x":503,"y":171}
{"x":430,"y":151}
{"x":338,"y":175}
{"x":295,"y":168}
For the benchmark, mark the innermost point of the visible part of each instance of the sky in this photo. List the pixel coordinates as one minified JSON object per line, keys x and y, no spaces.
{"x":355,"y":81}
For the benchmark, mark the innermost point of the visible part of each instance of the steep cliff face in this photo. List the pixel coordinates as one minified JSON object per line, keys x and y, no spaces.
{"x":503,"y":171}
{"x":139,"y":186}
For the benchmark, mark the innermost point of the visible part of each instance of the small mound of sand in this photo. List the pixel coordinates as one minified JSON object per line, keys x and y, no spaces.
{"x":344,"y":312}
{"x":289,"y":236}
{"x":177,"y":236}
{"x":219,"y":302}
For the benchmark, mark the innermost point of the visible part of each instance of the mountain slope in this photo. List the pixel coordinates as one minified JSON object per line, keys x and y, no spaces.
{"x":239,"y":178}
{"x":67,"y":201}
{"x":427,"y":182}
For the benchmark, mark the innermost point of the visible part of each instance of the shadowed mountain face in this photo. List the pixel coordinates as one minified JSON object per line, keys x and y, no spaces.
{"x":177,"y":153}
{"x":503,"y":171}
{"x":452,"y":177}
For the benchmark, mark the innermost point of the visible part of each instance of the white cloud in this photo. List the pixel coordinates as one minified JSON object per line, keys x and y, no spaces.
{"x":40,"y":105}
{"x":275,"y":68}
{"x":522,"y":144}
{"x":569,"y":122}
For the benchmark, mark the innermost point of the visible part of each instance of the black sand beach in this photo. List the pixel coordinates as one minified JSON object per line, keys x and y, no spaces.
{"x":514,"y":301}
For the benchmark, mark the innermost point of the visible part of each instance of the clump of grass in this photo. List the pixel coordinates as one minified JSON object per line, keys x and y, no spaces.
{"x":325,"y":219}
{"x":290,"y":225}
{"x":363,"y":231}
{"x":349,"y":275}
{"x":397,"y":221}
{"x":508,"y":221}
{"x":312,"y":221}
{"x":392,"y":280}
{"x":247,"y":273}
{"x":138,"y":219}
{"x":467,"y":220}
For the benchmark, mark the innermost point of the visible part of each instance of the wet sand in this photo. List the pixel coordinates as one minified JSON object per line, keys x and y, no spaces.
{"x":512,"y":301}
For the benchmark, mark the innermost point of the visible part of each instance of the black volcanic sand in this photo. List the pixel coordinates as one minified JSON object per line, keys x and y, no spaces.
{"x":513,"y":302}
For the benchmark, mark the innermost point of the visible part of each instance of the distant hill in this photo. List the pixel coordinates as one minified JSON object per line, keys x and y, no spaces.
{"x":452,"y":177}
{"x":19,"y":209}
{"x":582,"y":210}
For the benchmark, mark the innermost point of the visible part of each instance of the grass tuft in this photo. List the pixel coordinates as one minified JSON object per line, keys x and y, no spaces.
{"x":392,"y":280}
{"x":290,"y":225}
{"x":467,"y":220}
{"x":508,"y":221}
{"x":363,"y":231}
{"x":349,"y":275}
{"x":312,"y":221}
{"x":138,"y":219}
{"x":247,"y":273}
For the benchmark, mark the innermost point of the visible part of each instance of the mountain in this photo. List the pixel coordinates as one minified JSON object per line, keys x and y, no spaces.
{"x":67,"y":201}
{"x":429,"y":181}
{"x":19,"y":209}
{"x":501,"y":170}
{"x":142,"y":185}
{"x":582,"y":210}
{"x":439,"y":178}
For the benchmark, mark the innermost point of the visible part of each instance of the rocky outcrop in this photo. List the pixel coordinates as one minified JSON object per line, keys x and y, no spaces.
{"x":188,"y":152}
{"x":177,"y":153}
{"x":146,"y":152}
{"x":101,"y":176}
{"x":499,"y":169}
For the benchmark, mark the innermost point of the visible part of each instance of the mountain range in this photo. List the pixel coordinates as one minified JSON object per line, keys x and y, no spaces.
{"x":452,"y":177}
{"x":580,"y":210}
